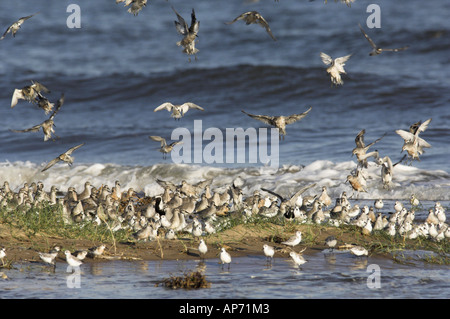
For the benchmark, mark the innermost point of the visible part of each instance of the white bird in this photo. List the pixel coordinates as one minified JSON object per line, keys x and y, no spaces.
{"x":170,"y":234}
{"x":336,"y":67}
{"x":165,"y":222}
{"x":49,"y":257}
{"x":225,"y":257}
{"x":197,"y":231}
{"x":80,"y":254}
{"x":387,"y":170}
{"x":297,"y":258}
{"x":294,"y":240}
{"x":71,"y":260}
{"x":3,"y":255}
{"x":331,"y":242}
{"x":413,"y":144}
{"x":96,"y":251}
{"x":378,"y":204}
{"x":398,"y":206}
{"x":359,"y":251}
{"x":414,"y":200}
{"x":178,"y":111}
{"x":202,"y":248}
{"x":269,"y":251}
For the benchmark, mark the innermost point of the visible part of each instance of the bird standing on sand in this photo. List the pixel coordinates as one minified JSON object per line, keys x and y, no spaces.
{"x":294,"y":240}
{"x":96,"y":251}
{"x":165,"y":149}
{"x":256,"y":18}
{"x":64,"y":157}
{"x":336,"y":67}
{"x":13,"y":28}
{"x":414,"y":200}
{"x":178,"y":111}
{"x":279,"y":122}
{"x":324,"y":198}
{"x":378,"y":204}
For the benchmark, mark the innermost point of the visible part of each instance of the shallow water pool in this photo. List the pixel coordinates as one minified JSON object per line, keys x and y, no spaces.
{"x":326,"y":275}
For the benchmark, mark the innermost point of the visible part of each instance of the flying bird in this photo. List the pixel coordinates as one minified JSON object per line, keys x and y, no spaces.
{"x":361,"y":149}
{"x":136,"y":5}
{"x":29,"y":93}
{"x":45,"y":104}
{"x":413,"y":144}
{"x":254,"y":17}
{"x":189,"y":33}
{"x":293,"y":200}
{"x":357,"y":182}
{"x":347,"y":2}
{"x":13,"y":28}
{"x":64,"y":157}
{"x":165,"y":148}
{"x":376,"y":49}
{"x":47,"y":125}
{"x":178,"y":111}
{"x":279,"y":122}
{"x":336,"y":67}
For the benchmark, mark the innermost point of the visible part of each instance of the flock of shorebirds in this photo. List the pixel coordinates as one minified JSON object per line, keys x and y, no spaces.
{"x":196,"y":209}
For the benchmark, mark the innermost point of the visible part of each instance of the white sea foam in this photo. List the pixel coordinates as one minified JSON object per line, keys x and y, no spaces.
{"x":428,"y":184}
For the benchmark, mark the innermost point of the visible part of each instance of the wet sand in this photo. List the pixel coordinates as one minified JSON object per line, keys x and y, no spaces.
{"x":241,"y":240}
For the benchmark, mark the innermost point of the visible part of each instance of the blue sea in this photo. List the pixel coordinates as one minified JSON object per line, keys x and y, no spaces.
{"x":117,"y":68}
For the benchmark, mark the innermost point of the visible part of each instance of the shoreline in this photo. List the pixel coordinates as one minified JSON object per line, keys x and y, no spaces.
{"x":240,"y":240}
